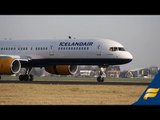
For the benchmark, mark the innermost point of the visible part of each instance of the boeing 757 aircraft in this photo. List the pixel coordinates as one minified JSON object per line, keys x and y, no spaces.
{"x":60,"y":56}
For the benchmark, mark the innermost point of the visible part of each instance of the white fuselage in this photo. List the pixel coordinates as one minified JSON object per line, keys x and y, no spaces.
{"x":66,"y":51}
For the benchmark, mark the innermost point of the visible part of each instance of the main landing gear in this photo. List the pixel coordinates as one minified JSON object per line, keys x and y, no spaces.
{"x":27,"y":76}
{"x":100,"y":77}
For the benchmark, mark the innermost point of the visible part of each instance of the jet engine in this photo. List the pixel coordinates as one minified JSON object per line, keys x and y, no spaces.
{"x":9,"y":66}
{"x":62,"y":69}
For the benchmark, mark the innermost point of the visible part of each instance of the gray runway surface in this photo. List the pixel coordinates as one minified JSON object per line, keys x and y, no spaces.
{"x":74,"y":82}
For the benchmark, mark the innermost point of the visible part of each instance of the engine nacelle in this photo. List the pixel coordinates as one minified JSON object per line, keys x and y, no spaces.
{"x":9,"y":66}
{"x":62,"y":69}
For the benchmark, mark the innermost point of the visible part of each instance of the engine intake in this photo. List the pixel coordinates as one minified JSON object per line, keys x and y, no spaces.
{"x":62,"y":69}
{"x":9,"y":66}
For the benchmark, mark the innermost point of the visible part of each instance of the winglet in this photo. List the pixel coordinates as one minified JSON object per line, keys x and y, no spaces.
{"x":151,"y":95}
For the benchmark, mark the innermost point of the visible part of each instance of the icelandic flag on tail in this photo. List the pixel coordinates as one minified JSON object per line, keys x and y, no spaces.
{"x":151,"y":95}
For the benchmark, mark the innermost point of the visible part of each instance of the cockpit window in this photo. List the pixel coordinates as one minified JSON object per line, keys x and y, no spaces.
{"x":121,"y":49}
{"x":116,"y":49}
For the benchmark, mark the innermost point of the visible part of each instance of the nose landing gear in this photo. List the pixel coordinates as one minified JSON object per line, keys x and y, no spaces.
{"x":100,"y":79}
{"x":101,"y":75}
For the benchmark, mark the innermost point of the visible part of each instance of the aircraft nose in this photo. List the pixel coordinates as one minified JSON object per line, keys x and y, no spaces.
{"x":129,"y":56}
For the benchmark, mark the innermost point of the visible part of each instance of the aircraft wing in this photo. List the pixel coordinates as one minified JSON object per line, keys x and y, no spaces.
{"x":17,"y":57}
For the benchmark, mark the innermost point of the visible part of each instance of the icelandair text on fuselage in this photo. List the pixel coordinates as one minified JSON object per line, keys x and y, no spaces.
{"x":75,"y":43}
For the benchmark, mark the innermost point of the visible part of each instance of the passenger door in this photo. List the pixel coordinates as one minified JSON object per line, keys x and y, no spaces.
{"x":99,"y":49}
{"x":51,"y":49}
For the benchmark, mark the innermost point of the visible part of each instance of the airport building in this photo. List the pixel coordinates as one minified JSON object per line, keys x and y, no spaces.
{"x":113,"y":71}
{"x":149,"y":72}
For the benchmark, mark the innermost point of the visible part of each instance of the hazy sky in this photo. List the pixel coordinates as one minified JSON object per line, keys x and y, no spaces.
{"x":140,"y":34}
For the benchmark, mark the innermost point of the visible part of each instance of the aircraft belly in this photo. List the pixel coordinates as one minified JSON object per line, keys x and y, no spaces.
{"x":88,"y":61}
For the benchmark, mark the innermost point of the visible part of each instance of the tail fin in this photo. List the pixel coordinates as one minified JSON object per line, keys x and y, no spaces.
{"x":151,"y":95}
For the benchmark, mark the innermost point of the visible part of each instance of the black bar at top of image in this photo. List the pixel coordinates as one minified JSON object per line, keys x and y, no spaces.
{"x":80,"y":8}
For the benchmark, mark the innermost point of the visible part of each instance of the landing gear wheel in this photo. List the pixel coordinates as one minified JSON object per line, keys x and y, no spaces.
{"x":100,"y":79}
{"x":21,"y":77}
{"x":30,"y":77}
{"x":26,"y":77}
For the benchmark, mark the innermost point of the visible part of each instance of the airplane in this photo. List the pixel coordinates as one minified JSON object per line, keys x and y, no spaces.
{"x":60,"y":56}
{"x":151,"y":96}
